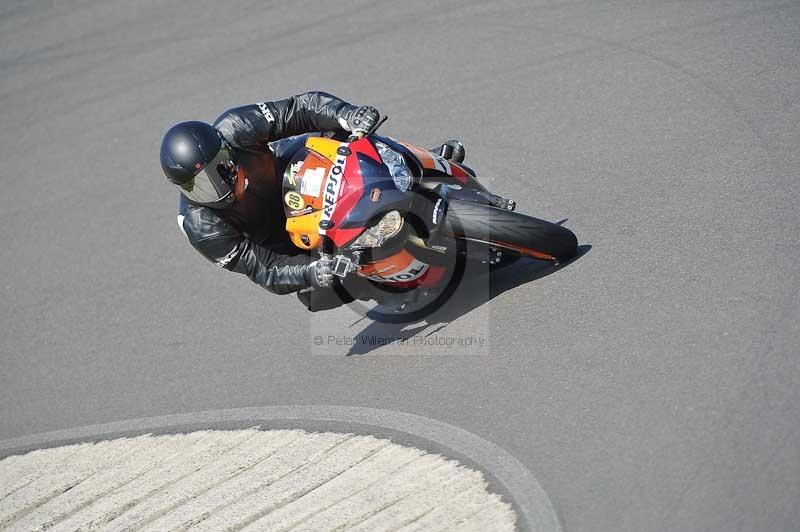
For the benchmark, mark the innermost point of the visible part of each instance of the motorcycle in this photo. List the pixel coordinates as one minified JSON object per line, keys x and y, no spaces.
{"x":405,"y":218}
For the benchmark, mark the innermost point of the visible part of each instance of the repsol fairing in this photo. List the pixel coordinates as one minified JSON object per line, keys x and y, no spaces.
{"x":336,"y":191}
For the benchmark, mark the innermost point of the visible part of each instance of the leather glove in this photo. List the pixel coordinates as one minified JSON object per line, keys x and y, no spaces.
{"x":363,"y":119}
{"x":320,"y":272}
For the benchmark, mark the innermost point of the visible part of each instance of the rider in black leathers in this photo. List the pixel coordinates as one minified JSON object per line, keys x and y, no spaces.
{"x":230,"y":178}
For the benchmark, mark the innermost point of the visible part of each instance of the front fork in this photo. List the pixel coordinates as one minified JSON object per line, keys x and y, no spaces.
{"x":441,"y":240}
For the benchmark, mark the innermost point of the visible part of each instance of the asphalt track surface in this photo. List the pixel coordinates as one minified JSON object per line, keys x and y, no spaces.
{"x":650,"y":385}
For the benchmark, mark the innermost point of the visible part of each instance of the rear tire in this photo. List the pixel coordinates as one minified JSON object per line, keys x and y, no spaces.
{"x":511,"y":230}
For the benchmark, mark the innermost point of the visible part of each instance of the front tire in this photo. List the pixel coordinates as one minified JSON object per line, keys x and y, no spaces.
{"x":523,"y":234}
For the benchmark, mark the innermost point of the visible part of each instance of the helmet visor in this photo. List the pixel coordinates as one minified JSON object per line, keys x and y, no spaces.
{"x":214,"y":183}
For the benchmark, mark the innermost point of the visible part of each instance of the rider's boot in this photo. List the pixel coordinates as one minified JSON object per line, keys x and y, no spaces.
{"x":452,"y":150}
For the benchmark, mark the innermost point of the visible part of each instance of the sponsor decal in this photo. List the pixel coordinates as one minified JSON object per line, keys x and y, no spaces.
{"x":262,"y":106}
{"x":415,"y":270}
{"x":293,"y":171}
{"x":311,"y":181}
{"x":330,"y":191}
{"x":375,"y":195}
{"x":294,"y":201}
{"x":223,"y":261}
{"x":437,"y":210}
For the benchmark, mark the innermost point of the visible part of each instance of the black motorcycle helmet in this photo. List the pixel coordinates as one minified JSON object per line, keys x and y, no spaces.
{"x":196,"y":160}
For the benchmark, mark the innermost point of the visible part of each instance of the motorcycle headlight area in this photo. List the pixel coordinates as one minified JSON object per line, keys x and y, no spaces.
{"x":389,"y":226}
{"x":398,"y":168}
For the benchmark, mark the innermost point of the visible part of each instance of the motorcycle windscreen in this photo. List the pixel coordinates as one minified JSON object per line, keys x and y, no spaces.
{"x":303,"y":181}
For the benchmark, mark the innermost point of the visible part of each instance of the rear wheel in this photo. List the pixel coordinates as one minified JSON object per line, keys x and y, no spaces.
{"x":513,"y":231}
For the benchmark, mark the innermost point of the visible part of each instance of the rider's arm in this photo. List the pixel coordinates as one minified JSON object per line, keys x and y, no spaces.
{"x":222,"y":244}
{"x":251,"y":127}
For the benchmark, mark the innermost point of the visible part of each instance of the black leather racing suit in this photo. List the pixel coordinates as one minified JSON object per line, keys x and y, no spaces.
{"x":249,"y":236}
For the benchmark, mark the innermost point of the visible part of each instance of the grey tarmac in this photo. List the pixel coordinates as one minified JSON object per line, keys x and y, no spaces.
{"x":650,"y":385}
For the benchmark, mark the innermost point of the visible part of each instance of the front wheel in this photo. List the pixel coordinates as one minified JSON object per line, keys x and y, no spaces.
{"x":517,"y":232}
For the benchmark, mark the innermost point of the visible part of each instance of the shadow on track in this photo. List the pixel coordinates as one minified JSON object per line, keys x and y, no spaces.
{"x":475,"y":289}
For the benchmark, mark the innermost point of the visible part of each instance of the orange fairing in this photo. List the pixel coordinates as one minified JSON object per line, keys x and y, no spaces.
{"x":431,"y":161}
{"x":425,"y":157}
{"x":324,"y":146}
{"x":389,"y":265}
{"x":303,"y":228}
{"x":400,"y":267}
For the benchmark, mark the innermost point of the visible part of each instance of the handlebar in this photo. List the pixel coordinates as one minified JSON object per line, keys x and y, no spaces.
{"x":358,"y":135}
{"x":342,"y":265}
